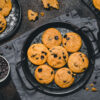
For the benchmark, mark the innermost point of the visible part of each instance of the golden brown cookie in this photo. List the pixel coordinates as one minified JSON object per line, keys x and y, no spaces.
{"x":50,"y":3}
{"x":72,"y":42}
{"x":6,"y":8}
{"x":96,"y":3}
{"x":44,"y":74}
{"x":78,"y":62}
{"x":64,"y":78}
{"x":2,"y":23}
{"x":57,"y":57}
{"x":51,"y":37}
{"x":32,"y":16}
{"x":37,"y":54}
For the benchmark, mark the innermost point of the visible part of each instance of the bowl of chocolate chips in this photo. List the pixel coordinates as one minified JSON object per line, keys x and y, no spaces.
{"x":4,"y":69}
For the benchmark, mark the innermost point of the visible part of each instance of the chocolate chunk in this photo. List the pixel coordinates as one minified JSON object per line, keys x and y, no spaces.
{"x":80,"y":55}
{"x":65,"y":36}
{"x":63,"y":53}
{"x":44,"y":52}
{"x":51,"y":72}
{"x":42,"y":57}
{"x":1,"y":28}
{"x":56,"y":37}
{"x":33,"y":55}
{"x":69,"y":72}
{"x":59,"y":57}
{"x":64,"y":81}
{"x":75,"y":65}
{"x":37,"y":58}
{"x":40,"y":70}
{"x":83,"y":60}
{"x":32,"y":14}
{"x":0,"y":9}
{"x":64,"y":43}
{"x":64,"y":57}
{"x":40,"y":79}
{"x":50,"y":50}
{"x":55,"y":55}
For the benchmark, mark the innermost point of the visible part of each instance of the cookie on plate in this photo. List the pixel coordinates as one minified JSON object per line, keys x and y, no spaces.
{"x":3,"y":23}
{"x":50,"y":3}
{"x":37,"y":54}
{"x":44,"y":74}
{"x":72,"y":42}
{"x":51,"y":37}
{"x":96,"y":3}
{"x":78,"y":62}
{"x":32,"y":16}
{"x":57,"y":57}
{"x":64,"y":78}
{"x":6,"y":7}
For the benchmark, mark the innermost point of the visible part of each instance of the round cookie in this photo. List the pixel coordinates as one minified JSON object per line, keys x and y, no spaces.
{"x":64,"y":78}
{"x":57,"y":57}
{"x":37,"y":54}
{"x":51,"y":37}
{"x":78,"y":62}
{"x":72,"y":42}
{"x":96,"y":3}
{"x":2,"y":23}
{"x":44,"y":74}
{"x":6,"y":7}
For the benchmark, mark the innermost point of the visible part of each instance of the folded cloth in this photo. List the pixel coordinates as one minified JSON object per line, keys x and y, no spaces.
{"x":12,"y":52}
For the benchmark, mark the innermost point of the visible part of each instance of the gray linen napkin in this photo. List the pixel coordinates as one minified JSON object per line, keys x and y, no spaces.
{"x":12,"y":51}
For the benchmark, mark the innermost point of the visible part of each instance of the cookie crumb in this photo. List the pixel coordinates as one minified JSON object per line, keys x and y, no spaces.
{"x":91,"y":85}
{"x":86,"y":89}
{"x":42,"y":14}
{"x":93,"y":89}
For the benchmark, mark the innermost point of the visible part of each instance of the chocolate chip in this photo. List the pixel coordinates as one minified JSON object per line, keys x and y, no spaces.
{"x":59,"y":57}
{"x":80,"y":55}
{"x":83,"y":60}
{"x":37,"y":58}
{"x":40,"y":70}
{"x":0,"y":22}
{"x":0,"y":9}
{"x":44,"y":52}
{"x":64,"y":43}
{"x":69,"y":72}
{"x":33,"y":55}
{"x":50,"y":50}
{"x":64,"y":81}
{"x":56,"y":37}
{"x":32,"y":14}
{"x":42,"y":57}
{"x":75,"y":65}
{"x":40,"y":79}
{"x":64,"y":57}
{"x":65,"y":36}
{"x":1,"y":28}
{"x":55,"y":55}
{"x":51,"y":72}
{"x":63,"y":53}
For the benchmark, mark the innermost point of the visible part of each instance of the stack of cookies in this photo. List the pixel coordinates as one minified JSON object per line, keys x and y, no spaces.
{"x":60,"y":53}
{"x":5,"y":8}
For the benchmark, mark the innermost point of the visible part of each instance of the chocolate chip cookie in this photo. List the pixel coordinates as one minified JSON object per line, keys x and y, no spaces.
{"x":57,"y":57}
{"x":6,"y":7}
{"x":64,"y":78}
{"x":51,"y":37}
{"x":50,"y":3}
{"x":78,"y":62}
{"x":96,"y":3}
{"x":32,"y":16}
{"x":44,"y":74}
{"x":72,"y":42}
{"x":3,"y":23}
{"x":37,"y":54}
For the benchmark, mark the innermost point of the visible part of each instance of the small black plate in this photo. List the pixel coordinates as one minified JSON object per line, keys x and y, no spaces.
{"x":13,"y":21}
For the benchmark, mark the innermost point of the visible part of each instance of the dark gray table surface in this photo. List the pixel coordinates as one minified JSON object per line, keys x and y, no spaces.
{"x":9,"y":91}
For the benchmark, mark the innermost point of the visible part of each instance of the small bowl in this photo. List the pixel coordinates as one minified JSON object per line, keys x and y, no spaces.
{"x":4,"y":69}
